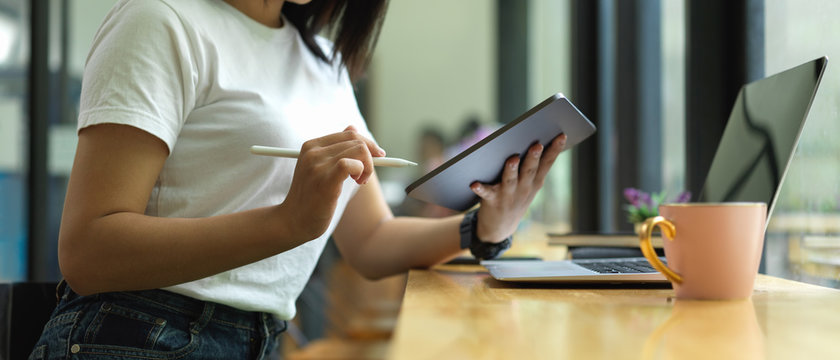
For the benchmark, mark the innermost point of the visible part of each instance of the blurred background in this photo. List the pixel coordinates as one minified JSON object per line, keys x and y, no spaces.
{"x":657,"y":77}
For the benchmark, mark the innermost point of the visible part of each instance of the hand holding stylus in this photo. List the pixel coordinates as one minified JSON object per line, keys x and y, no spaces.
{"x":323,"y":164}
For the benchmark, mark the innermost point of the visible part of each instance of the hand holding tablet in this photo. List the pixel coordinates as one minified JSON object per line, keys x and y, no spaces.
{"x":448,"y":185}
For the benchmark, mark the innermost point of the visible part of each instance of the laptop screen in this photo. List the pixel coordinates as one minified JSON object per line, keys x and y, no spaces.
{"x":761,"y":136}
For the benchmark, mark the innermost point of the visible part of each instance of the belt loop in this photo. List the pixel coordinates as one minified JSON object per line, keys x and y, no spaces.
{"x":205,"y":317}
{"x":265,"y":325}
{"x":266,"y":332}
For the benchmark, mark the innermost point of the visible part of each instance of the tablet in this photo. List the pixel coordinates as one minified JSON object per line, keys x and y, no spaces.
{"x":448,"y":185}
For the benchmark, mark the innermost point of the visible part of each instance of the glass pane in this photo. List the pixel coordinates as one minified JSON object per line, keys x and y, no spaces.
{"x":14,"y":57}
{"x":444,"y":91}
{"x":803,"y":240}
{"x":436,"y":80}
{"x":673,"y":97}
{"x":72,"y":27}
{"x":549,"y":46}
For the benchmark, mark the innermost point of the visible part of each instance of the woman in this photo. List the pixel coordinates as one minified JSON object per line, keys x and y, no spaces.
{"x":175,"y":242}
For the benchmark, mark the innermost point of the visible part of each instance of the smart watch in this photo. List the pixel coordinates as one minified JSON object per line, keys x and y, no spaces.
{"x":480,"y":249}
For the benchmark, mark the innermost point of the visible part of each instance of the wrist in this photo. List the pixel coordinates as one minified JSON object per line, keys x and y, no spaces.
{"x":480,"y":249}
{"x":278,"y":226}
{"x":285,"y":229}
{"x":488,"y":236}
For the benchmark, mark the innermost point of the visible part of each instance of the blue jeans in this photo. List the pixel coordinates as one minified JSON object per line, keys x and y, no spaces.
{"x":154,"y":324}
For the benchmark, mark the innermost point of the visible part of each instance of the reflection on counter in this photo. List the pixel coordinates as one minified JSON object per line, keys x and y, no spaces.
{"x":708,"y":329}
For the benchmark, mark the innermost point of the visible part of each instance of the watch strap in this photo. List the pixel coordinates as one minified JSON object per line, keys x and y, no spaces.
{"x":466,"y":229}
{"x":480,"y":249}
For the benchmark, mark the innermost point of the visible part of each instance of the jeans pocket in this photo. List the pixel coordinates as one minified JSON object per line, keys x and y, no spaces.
{"x":121,"y":326}
{"x":132,"y":330}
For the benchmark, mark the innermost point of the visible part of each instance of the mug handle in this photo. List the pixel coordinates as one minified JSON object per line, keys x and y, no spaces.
{"x":669,"y":231}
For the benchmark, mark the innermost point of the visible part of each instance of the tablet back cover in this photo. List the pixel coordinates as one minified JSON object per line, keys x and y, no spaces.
{"x":448,"y":185}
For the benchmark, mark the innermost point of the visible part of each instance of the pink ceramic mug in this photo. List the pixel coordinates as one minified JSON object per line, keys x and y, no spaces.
{"x":713,"y":249}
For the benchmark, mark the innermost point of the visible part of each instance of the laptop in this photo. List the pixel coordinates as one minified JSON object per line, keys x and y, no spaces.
{"x":749,"y":165}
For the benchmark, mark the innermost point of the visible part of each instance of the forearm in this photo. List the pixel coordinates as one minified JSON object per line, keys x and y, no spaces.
{"x":106,"y":243}
{"x":131,"y":251}
{"x":402,"y":243}
{"x":377,"y":244}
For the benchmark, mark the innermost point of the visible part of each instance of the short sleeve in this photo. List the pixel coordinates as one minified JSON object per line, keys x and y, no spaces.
{"x":140,"y":71}
{"x":339,"y":72}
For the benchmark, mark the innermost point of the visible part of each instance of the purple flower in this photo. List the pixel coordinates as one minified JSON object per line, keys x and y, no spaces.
{"x":646,"y":199}
{"x":633,"y":196}
{"x":684,"y":197}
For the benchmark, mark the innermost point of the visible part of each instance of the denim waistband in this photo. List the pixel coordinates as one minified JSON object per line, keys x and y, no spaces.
{"x":189,"y":307}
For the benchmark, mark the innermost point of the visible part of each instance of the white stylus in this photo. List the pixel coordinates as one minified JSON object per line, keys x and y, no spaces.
{"x":294,"y":153}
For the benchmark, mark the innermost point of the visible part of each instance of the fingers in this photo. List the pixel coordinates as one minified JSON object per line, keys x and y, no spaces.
{"x":374,"y":149}
{"x":510,"y":175}
{"x":348,"y":144}
{"x":334,"y":156}
{"x":504,"y":204}
{"x":360,"y":154}
{"x":530,"y":164}
{"x":529,"y":172}
{"x":522,"y":171}
{"x":352,"y":167}
{"x":549,"y":156}
{"x":349,"y":134}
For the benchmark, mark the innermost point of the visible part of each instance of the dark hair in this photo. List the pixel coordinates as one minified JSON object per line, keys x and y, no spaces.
{"x":354,"y":26}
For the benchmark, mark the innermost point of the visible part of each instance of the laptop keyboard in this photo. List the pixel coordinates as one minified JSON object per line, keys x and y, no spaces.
{"x":618,"y":266}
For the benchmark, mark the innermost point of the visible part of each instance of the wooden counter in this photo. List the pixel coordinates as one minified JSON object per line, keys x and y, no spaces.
{"x":459,"y":312}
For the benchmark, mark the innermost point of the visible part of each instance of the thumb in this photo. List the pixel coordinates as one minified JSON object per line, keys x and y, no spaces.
{"x":481,"y":190}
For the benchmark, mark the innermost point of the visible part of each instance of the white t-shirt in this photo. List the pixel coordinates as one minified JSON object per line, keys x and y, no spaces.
{"x":210,"y":82}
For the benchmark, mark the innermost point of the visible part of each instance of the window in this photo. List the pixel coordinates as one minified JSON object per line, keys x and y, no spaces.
{"x":549,"y":69}
{"x":69,"y":28}
{"x":803,"y":241}
{"x":429,"y":77}
{"x":14,"y":67}
{"x":673,"y":97}
{"x":450,"y":77}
